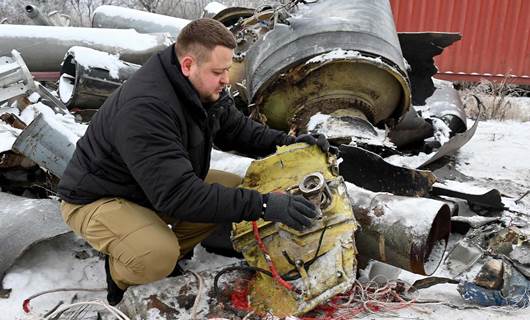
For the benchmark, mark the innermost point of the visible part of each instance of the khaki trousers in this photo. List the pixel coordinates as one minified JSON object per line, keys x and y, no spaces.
{"x":142,"y":248}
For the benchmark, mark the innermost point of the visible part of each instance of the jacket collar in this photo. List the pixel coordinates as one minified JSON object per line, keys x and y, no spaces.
{"x":182,"y":86}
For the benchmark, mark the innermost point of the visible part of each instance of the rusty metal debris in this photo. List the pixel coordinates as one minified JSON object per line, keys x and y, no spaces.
{"x":362,"y":78}
{"x":318,"y":262}
{"x":392,"y":232}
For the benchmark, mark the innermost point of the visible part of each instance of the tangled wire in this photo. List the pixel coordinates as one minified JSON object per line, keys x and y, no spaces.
{"x":369,"y":297}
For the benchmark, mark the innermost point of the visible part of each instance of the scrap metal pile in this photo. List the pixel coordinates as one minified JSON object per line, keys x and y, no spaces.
{"x":336,"y":67}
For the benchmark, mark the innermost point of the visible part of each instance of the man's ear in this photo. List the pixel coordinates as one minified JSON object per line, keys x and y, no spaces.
{"x":185,"y":65}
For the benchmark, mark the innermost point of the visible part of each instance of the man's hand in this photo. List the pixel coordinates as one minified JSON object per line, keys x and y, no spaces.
{"x":293,"y":211}
{"x":311,"y":139}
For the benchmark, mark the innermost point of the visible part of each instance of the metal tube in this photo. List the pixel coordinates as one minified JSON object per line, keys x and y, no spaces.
{"x":89,"y":76}
{"x":409,"y":233}
{"x":44,"y":47}
{"x":114,"y":17}
{"x":36,"y":16}
{"x":48,"y":143}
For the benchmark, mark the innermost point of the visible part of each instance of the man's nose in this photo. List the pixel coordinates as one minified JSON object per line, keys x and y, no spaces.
{"x":225,"y":79}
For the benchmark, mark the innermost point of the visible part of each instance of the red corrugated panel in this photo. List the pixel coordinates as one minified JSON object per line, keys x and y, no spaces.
{"x":495,"y":35}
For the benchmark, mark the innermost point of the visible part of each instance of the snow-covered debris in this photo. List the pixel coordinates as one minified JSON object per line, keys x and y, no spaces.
{"x":130,"y":45}
{"x":107,"y":16}
{"x":213,"y":8}
{"x":90,"y":58}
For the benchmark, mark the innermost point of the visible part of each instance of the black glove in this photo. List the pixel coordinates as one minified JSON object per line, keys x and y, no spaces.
{"x":311,"y":139}
{"x":293,"y":211}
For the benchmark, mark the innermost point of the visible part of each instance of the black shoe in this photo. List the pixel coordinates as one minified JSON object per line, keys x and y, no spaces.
{"x":178,"y":271}
{"x":114,"y":293}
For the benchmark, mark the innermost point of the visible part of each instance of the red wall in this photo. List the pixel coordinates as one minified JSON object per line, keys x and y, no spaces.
{"x":495,"y":35}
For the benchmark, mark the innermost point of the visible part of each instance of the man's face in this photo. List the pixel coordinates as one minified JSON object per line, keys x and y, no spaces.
{"x":209,"y":77}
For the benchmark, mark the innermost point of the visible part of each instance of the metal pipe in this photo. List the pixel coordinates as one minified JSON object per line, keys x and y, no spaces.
{"x":409,"y":233}
{"x":15,"y":78}
{"x":114,"y":17}
{"x":48,"y":143}
{"x":36,"y":16}
{"x":445,"y":104}
{"x":44,"y":47}
{"x":89,"y":76}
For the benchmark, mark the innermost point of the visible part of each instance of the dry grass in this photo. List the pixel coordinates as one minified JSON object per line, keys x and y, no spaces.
{"x":502,"y":100}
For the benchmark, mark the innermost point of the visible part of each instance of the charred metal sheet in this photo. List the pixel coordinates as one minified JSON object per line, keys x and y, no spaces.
{"x":15,"y":78}
{"x":409,"y":233}
{"x":369,"y":171}
{"x":411,"y":129}
{"x":36,"y":16}
{"x":286,"y":73}
{"x":490,"y":200}
{"x":48,"y":143}
{"x":25,"y":222}
{"x":114,"y":17}
{"x":419,"y":49}
{"x":132,"y":46}
{"x":89,"y":76}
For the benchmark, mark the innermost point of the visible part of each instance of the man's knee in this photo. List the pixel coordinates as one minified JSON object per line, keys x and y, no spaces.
{"x":156,"y":264}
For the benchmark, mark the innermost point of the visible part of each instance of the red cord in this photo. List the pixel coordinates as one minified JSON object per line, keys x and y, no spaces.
{"x":25,"y":306}
{"x":265,"y":251}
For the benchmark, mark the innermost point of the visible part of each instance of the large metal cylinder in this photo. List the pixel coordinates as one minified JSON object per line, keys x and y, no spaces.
{"x":406,"y":232}
{"x":47,"y":142}
{"x":89,"y":76}
{"x":114,"y":17}
{"x":44,"y":47}
{"x":331,"y":55}
{"x":36,"y":16}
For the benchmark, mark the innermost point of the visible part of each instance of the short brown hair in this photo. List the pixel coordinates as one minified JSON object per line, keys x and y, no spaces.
{"x":201,"y":36}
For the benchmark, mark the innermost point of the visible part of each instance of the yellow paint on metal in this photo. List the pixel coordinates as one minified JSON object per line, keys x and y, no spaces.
{"x":334,"y":269}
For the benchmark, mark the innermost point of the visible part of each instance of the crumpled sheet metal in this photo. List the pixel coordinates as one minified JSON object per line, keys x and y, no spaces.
{"x":24,"y":222}
{"x":334,"y":269}
{"x":514,"y":292}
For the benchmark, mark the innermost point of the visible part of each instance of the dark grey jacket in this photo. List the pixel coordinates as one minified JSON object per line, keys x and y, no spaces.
{"x":151,"y":141}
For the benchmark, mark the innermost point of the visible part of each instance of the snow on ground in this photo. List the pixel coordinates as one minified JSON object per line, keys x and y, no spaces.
{"x":498,"y":151}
